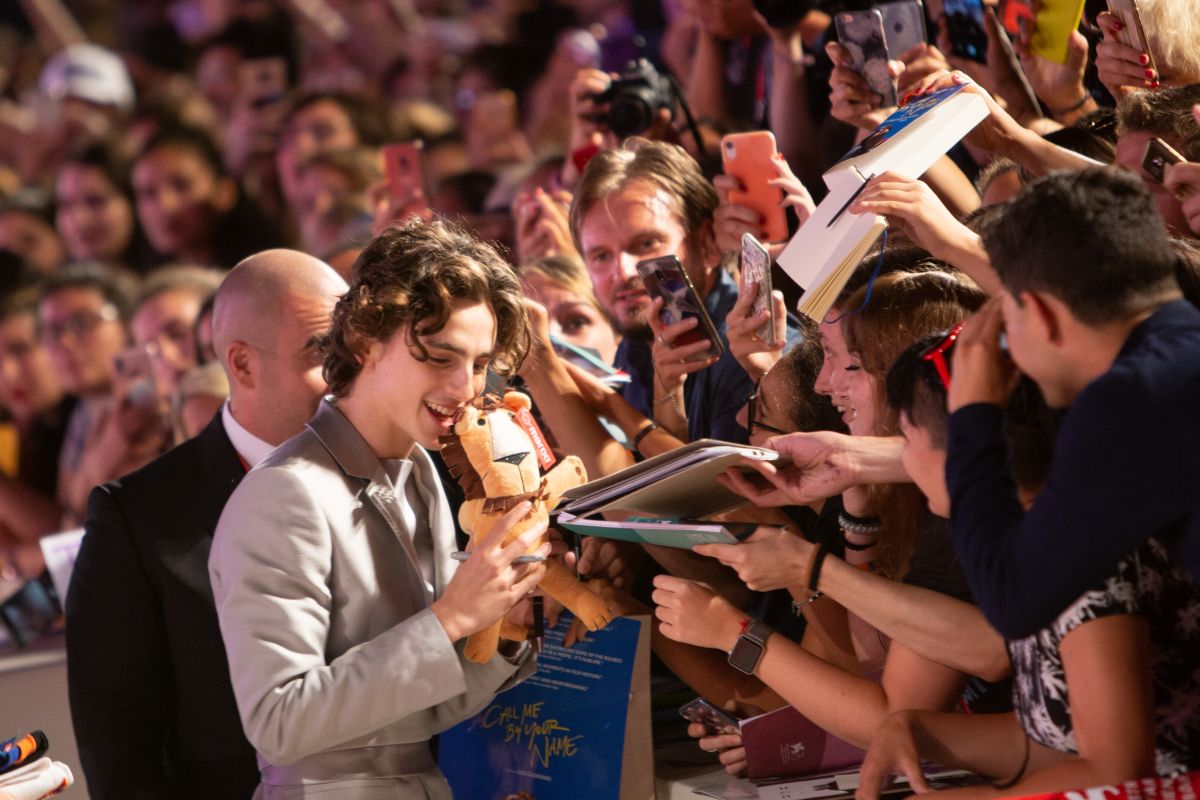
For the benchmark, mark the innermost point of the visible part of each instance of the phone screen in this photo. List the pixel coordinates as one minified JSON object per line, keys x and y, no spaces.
{"x":665,"y":277}
{"x":964,"y":22}
{"x":402,"y":168}
{"x":756,"y":270}
{"x":712,"y":718}
{"x":861,"y":33}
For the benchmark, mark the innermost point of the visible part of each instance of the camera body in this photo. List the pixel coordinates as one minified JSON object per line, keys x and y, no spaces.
{"x":635,"y":98}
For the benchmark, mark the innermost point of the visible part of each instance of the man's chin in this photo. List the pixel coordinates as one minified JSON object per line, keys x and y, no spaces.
{"x":637,"y":330}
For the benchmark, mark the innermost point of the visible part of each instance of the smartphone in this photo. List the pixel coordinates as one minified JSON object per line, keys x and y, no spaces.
{"x":1018,"y":17}
{"x":861,"y":33}
{"x":756,"y":270}
{"x":750,"y":158}
{"x":712,"y":718}
{"x":32,"y":611}
{"x":1158,"y":156}
{"x":1132,"y":34}
{"x":402,"y":169}
{"x":903,"y":25}
{"x":135,"y":377}
{"x":262,"y":81}
{"x":964,"y":23}
{"x":665,"y":277}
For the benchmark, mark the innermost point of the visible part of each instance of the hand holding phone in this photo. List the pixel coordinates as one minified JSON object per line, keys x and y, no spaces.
{"x":713,"y":719}
{"x":964,"y":23}
{"x":1157,"y":156}
{"x":861,"y":34}
{"x":756,"y":271}
{"x":665,"y":278}
{"x":749,"y":157}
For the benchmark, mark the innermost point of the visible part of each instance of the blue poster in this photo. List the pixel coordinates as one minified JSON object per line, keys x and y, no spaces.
{"x":560,"y":731}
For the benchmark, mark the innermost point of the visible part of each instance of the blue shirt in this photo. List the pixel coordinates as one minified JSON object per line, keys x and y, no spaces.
{"x":714,"y":395}
{"x":1126,"y":467}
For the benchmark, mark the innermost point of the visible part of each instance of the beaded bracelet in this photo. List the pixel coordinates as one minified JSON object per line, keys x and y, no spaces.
{"x":863,"y":526}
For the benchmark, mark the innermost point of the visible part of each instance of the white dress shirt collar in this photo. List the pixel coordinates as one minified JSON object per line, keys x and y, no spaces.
{"x":251,"y":448}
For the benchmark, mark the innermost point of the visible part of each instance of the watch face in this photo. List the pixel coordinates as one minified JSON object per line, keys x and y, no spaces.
{"x":745,"y":655}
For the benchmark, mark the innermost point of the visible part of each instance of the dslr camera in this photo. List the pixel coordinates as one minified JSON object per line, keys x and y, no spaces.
{"x":635,"y":98}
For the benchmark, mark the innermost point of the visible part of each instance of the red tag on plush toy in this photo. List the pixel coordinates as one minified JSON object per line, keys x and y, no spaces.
{"x":529,"y":424}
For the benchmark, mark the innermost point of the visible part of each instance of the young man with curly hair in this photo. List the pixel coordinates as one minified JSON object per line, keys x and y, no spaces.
{"x":342,"y":611}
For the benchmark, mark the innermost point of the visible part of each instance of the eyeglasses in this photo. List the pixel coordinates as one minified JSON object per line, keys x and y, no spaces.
{"x":752,"y":420}
{"x":79,"y":325}
{"x":937,"y":355}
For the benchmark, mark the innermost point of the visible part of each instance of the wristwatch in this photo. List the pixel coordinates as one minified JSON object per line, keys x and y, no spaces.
{"x":748,"y":650}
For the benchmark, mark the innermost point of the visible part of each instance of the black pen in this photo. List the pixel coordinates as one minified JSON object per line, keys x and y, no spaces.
{"x":853,"y":197}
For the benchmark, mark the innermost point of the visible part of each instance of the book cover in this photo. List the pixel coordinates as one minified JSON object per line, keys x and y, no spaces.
{"x":825,"y":251}
{"x":681,"y":484}
{"x":784,"y":742}
{"x":574,"y":726}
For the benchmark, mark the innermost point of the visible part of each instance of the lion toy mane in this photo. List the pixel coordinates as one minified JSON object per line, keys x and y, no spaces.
{"x":495,"y":461}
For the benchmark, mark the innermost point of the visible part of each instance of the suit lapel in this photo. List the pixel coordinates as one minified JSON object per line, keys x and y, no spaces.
{"x":441,"y":518}
{"x":355,"y":457}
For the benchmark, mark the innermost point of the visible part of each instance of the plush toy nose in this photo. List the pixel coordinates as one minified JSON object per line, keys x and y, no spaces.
{"x":511,"y":458}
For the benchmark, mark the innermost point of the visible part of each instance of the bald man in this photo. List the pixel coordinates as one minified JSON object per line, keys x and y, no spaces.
{"x":151,"y":699}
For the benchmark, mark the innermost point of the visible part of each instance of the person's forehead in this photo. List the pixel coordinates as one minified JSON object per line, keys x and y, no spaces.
{"x":70,"y":299}
{"x":639,"y":202}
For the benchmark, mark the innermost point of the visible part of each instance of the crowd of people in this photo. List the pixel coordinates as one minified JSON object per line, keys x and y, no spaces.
{"x":239,"y":307}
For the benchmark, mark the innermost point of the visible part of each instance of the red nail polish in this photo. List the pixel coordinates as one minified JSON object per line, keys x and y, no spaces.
{"x":1143,"y":59}
{"x":1150,"y":74}
{"x":1155,"y":84}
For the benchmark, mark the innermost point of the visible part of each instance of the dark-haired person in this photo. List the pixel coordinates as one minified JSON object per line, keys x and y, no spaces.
{"x":1093,"y":314}
{"x":1160,"y":114}
{"x":190,"y":209}
{"x":94,"y":209}
{"x":82,"y":316}
{"x":319,"y":122}
{"x":26,"y":229}
{"x":342,"y":611}
{"x":146,"y":666}
{"x":847,"y":688}
{"x":1083,"y":712}
{"x":31,"y":396}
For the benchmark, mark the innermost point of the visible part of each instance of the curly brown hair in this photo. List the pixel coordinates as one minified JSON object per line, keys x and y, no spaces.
{"x":410,"y":276}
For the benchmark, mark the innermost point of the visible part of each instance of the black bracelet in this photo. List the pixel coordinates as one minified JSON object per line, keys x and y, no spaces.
{"x":643,"y":433}
{"x":858,"y":548}
{"x":814,"y":575}
{"x":1011,"y":782}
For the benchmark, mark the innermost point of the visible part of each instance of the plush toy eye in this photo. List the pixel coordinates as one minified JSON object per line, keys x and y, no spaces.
{"x":481,"y":421}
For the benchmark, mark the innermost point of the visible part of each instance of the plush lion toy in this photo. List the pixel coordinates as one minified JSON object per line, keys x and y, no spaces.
{"x":495,"y":460}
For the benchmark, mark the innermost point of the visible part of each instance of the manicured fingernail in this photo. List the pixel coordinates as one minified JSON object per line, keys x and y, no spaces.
{"x":1143,"y":59}
{"x":909,"y":96}
{"x":1150,"y":74}
{"x":1155,"y":84}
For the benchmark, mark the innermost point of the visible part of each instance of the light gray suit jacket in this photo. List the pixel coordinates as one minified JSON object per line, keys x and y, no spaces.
{"x":341,"y":671}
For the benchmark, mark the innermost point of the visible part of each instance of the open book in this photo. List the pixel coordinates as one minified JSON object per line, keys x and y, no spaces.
{"x":667,"y":494}
{"x":824,"y":252}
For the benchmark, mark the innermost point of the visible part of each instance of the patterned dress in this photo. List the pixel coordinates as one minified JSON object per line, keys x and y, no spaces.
{"x":1149,"y":584}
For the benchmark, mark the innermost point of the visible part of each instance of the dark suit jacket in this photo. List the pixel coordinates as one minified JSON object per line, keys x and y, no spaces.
{"x":150,"y":693}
